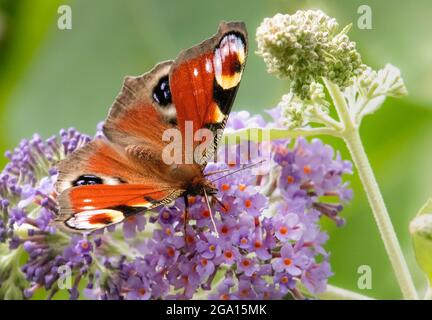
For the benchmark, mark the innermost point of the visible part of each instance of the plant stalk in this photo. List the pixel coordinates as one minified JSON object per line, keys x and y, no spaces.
{"x":428,"y":294}
{"x":352,"y":138}
{"x":336,"y":293}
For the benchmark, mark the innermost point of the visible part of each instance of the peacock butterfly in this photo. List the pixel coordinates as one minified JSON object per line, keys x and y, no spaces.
{"x":124,"y":174}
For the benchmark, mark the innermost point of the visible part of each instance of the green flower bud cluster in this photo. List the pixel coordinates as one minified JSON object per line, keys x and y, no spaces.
{"x":422,"y":226}
{"x":297,"y":112}
{"x":304,"y":47}
{"x":421,"y":233}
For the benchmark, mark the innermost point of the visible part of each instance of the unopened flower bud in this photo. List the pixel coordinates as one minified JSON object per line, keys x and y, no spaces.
{"x":304,"y":47}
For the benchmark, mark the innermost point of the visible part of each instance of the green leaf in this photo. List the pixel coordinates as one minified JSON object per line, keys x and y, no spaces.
{"x":426,"y":209}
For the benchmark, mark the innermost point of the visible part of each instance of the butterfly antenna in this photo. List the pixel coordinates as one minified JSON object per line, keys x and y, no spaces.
{"x":216,"y":172}
{"x":211,"y":213}
{"x":244,"y":167}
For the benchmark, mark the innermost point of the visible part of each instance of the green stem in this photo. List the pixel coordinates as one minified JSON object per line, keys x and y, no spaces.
{"x":327,"y":121}
{"x":260,"y":134}
{"x":352,"y":138}
{"x":428,"y":294}
{"x":336,"y":293}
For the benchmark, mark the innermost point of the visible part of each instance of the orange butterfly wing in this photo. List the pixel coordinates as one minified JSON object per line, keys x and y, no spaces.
{"x":204,"y":81}
{"x":101,"y":184}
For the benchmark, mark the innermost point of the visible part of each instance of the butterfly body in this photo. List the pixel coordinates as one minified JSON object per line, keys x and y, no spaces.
{"x":187,"y":100}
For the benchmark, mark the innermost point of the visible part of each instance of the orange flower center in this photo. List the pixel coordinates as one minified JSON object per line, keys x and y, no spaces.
{"x":257,"y":244}
{"x":248,"y":203}
{"x":307,"y":169}
{"x":283,"y":230}
{"x":225,"y":187}
{"x":191,"y":199}
{"x":168,"y":231}
{"x":284,"y":279}
{"x":224,"y":296}
{"x":85,"y":245}
{"x":228,"y":254}
{"x":170,"y":252}
{"x":243,"y":241}
{"x":224,"y":229}
{"x":242,"y":187}
{"x":287,"y":261}
{"x":189,"y":239}
{"x":205,"y":213}
{"x":204,"y":262}
{"x":246,"y":262}
{"x":142,"y":291}
{"x":290,"y":179}
{"x":212,"y":247}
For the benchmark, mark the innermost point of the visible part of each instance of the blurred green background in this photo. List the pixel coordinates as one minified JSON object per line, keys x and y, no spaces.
{"x":52,"y":79}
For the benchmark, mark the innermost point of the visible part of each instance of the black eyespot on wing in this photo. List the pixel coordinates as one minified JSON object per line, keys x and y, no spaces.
{"x":87,"y":180}
{"x":236,"y":66}
{"x":162,"y":93}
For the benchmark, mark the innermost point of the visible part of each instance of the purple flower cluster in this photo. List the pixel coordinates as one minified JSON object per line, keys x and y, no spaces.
{"x":29,"y":207}
{"x":266,"y":237}
{"x":264,"y":242}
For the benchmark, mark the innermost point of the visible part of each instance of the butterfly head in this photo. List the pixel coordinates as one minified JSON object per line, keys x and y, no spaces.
{"x":199,"y":185}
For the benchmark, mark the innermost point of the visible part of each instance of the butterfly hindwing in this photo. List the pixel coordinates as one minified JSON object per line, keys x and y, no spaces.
{"x":142,"y":111}
{"x":101,"y":184}
{"x":91,"y":207}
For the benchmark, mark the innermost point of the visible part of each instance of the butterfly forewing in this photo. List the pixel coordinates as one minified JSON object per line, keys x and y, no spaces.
{"x":204,"y":81}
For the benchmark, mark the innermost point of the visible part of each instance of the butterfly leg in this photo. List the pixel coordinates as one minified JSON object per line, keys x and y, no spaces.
{"x":186,"y":216}
{"x":211,"y":213}
{"x":219,"y":202}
